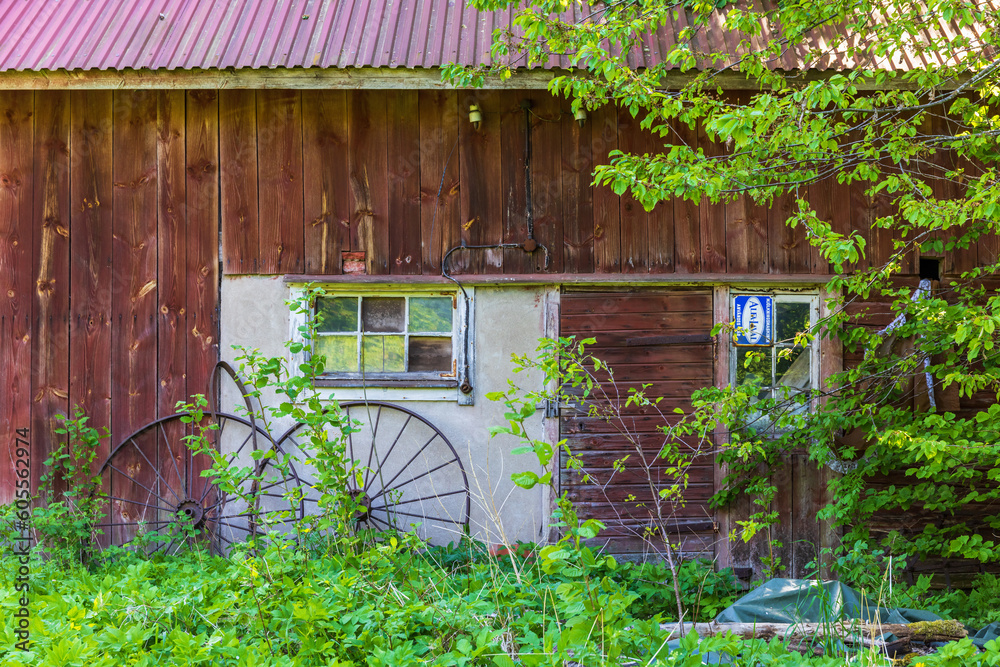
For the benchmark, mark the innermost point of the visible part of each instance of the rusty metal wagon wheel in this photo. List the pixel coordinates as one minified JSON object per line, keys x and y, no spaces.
{"x":157,"y":497}
{"x":410,"y":476}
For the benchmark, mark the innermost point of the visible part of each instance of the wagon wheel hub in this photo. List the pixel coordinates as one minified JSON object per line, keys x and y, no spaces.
{"x":190,"y":511}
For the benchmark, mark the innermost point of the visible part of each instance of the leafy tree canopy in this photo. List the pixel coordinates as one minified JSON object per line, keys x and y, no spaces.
{"x":897,"y":97}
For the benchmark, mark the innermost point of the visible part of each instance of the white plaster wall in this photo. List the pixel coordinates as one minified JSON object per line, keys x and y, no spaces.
{"x":508,"y":320}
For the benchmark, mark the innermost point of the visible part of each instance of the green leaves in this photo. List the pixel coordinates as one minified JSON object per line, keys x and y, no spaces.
{"x":525,"y":480}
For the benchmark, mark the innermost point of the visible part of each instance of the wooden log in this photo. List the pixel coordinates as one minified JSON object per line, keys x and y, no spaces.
{"x":851,"y":631}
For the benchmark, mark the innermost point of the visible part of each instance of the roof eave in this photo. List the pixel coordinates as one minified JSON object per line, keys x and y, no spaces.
{"x":350,"y":78}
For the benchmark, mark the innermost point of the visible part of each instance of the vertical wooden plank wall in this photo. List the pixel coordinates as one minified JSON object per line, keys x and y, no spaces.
{"x":513,"y":214}
{"x":279,"y":177}
{"x":577,"y":196}
{"x":403,"y":155}
{"x":634,"y":228}
{"x":479,"y":156}
{"x":607,"y":222}
{"x":238,"y":152}
{"x":402,"y":177}
{"x":50,"y":260}
{"x":16,"y":233}
{"x":367,"y":160}
{"x":172,"y":237}
{"x":90,"y":259}
{"x":546,"y":176}
{"x":134,"y":255}
{"x":109,"y":236}
{"x":439,"y":176}
{"x":325,"y":192}
{"x":201,"y":271}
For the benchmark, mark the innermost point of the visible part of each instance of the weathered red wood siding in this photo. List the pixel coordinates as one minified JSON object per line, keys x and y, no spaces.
{"x":404,"y":177}
{"x":109,"y":279}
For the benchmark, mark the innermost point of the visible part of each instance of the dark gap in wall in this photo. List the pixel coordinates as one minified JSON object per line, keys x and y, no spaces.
{"x":930,"y":267}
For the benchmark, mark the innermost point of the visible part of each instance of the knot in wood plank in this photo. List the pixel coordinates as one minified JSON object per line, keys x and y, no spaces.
{"x":11,"y":180}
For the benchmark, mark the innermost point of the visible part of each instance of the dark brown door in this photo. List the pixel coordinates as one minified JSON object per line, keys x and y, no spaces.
{"x":655,"y":337}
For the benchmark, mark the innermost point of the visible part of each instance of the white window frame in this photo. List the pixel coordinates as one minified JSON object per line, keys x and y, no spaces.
{"x":401,"y":386}
{"x":810,"y":296}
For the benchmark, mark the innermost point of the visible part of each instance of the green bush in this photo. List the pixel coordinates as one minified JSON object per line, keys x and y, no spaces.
{"x":71,"y":500}
{"x":391,"y":604}
{"x":977,"y":607}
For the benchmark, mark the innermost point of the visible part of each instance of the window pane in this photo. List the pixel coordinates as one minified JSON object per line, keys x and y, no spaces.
{"x":338,"y":313}
{"x":383,"y":314}
{"x":341,"y":353}
{"x":792,"y":370}
{"x":759,"y":369}
{"x":383,"y":354}
{"x":430,"y":314}
{"x":430,"y":354}
{"x":792,"y":318}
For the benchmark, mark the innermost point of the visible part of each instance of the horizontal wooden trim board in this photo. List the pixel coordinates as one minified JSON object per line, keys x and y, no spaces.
{"x":382,"y":382}
{"x":582,"y":279}
{"x":349,"y":78}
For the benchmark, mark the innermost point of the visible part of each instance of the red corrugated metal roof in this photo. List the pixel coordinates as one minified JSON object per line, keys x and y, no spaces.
{"x":187,"y":34}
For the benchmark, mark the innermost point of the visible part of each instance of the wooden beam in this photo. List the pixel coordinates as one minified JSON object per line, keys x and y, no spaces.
{"x":743,"y":280}
{"x":831,"y":352}
{"x":377,"y":78}
{"x":721,"y":315}
{"x":371,"y":78}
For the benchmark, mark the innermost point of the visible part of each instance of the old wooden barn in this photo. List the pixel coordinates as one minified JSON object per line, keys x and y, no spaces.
{"x":170,"y":176}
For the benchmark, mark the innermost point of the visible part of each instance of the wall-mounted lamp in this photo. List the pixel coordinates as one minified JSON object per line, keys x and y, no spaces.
{"x":580,"y":115}
{"x":475,"y":116}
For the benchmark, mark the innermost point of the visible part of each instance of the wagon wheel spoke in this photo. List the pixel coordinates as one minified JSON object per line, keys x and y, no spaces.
{"x":156,"y":470}
{"x":170,"y":453}
{"x":167,"y":551}
{"x":371,"y":450}
{"x":392,"y":510}
{"x":388,"y":454}
{"x":350,"y":436}
{"x":412,"y":480}
{"x":419,"y":500}
{"x":252,"y":435}
{"x":388,"y":485}
{"x":138,"y":483}
{"x":136,"y":502}
{"x":165,"y":522}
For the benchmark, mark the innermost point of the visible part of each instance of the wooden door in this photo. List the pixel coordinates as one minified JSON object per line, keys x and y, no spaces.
{"x":660,"y":339}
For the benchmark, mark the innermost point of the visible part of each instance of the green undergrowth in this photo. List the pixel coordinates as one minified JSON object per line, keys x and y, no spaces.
{"x":391,"y":603}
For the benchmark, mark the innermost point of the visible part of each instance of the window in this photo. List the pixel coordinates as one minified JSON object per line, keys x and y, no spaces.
{"x":387,"y":336}
{"x":394,"y":343}
{"x":783,"y":369}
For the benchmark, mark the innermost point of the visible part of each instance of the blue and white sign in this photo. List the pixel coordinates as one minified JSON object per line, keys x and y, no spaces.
{"x":754,"y":317}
